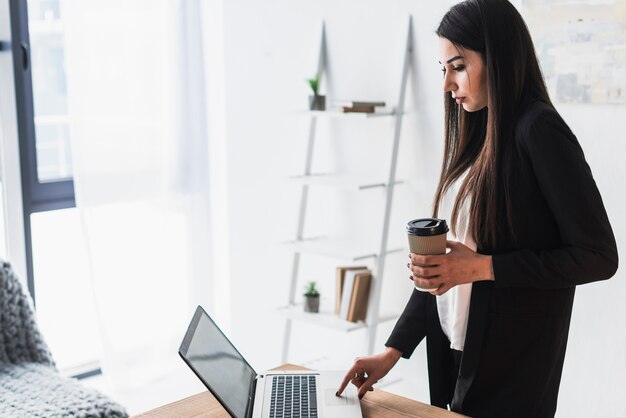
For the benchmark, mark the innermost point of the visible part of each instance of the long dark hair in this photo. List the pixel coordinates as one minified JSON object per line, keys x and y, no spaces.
{"x":482,"y":142}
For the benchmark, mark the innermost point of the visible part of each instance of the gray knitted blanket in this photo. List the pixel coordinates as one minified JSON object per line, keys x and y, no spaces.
{"x":30,"y":385}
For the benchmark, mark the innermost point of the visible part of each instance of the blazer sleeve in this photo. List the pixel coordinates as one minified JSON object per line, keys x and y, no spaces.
{"x":410,"y":329}
{"x":588,"y":251}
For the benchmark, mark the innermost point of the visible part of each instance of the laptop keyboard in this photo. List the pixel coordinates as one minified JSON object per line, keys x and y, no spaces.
{"x":293,"y":397}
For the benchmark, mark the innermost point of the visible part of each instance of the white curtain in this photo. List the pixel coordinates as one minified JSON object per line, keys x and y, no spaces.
{"x":136,"y":93}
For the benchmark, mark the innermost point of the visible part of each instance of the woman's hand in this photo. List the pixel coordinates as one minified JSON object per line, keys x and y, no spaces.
{"x":442,"y":272}
{"x":366,"y":371}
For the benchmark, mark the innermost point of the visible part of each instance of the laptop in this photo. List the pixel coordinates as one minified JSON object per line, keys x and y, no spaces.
{"x":244,"y":393}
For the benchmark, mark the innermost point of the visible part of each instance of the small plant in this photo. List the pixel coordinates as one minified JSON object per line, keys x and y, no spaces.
{"x":311,"y":298}
{"x":311,"y":290}
{"x":314,"y":83}
{"x":317,"y":101}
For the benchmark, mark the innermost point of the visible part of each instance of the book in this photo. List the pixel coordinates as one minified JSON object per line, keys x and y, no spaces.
{"x":347,"y":291}
{"x":360,"y":296}
{"x":341,"y":273}
{"x":358,"y":109}
{"x":357,"y":103}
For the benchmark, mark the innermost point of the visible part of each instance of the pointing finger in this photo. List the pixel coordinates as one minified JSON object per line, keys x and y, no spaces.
{"x":349,"y":376}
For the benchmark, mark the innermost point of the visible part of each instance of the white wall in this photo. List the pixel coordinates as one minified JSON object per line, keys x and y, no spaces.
{"x":594,"y":380}
{"x":270,"y":47}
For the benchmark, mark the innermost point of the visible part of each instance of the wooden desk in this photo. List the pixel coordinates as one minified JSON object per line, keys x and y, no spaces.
{"x":376,"y":404}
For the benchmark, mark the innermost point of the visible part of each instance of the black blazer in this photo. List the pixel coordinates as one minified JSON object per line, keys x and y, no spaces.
{"x":518,"y":325}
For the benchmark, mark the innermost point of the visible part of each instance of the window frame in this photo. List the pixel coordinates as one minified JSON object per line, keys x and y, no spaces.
{"x":36,"y":196}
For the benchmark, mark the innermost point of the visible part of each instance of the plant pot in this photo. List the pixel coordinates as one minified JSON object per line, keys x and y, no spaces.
{"x":317,"y":102}
{"x":312,"y":304}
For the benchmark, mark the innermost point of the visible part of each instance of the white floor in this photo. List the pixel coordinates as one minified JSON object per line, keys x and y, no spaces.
{"x":405,"y":379}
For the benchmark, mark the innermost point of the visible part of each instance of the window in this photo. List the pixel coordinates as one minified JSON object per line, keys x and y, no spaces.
{"x":56,"y":262}
{"x":50,"y":91}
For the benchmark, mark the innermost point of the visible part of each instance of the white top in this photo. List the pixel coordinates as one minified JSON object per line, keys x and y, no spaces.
{"x":453,"y":306}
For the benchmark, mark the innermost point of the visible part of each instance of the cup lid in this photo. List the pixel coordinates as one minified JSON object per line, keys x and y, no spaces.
{"x":427,"y":227}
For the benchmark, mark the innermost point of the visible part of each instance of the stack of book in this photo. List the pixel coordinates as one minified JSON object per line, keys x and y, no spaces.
{"x":353,"y":288}
{"x":353,"y":106}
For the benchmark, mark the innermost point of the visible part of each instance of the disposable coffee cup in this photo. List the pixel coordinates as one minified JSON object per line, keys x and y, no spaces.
{"x":427,"y":236}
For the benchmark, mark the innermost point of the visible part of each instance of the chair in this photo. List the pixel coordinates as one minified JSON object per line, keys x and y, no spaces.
{"x":30,"y":385}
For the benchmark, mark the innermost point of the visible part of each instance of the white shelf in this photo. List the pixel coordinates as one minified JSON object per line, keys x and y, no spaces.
{"x":340,"y":249}
{"x":343,"y":182}
{"x":333,"y":113}
{"x":328,"y":319}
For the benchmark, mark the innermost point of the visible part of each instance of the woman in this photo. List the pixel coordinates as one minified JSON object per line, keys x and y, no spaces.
{"x":531,"y":221}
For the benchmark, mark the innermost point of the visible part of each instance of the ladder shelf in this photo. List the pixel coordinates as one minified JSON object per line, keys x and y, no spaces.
{"x":346,"y":250}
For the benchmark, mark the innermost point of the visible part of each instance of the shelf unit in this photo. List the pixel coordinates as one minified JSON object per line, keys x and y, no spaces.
{"x":325,"y":246}
{"x":343,"y":182}
{"x":352,"y":115}
{"x":329,"y":319}
{"x":341,"y":249}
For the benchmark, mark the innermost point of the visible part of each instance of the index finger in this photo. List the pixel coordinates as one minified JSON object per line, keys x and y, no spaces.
{"x":453,"y":244}
{"x":428,"y":260}
{"x":346,"y":380}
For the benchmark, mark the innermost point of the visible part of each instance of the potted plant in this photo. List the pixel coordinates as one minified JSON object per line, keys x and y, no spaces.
{"x":316,"y":102}
{"x":311,"y":298}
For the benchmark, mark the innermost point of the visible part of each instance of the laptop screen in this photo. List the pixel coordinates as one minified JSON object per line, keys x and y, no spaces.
{"x":217,"y":363}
